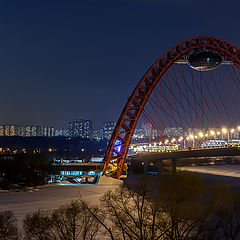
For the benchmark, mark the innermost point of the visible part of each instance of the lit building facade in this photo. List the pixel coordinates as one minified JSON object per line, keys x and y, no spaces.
{"x":80,"y":128}
{"x":108,"y":129}
{"x":173,"y":132}
{"x":97,"y":134}
{"x":26,"y":131}
{"x":62,"y":132}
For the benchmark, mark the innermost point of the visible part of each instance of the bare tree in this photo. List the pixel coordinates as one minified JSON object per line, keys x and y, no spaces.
{"x":133,"y":213}
{"x":228,"y":217}
{"x":183,"y":199}
{"x":8,"y":226}
{"x":69,"y":222}
{"x":74,"y":221}
{"x":38,"y":226}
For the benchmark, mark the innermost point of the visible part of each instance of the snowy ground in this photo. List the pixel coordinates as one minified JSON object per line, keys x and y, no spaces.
{"x":226,"y":174}
{"x":22,"y":203}
{"x":222,"y":170}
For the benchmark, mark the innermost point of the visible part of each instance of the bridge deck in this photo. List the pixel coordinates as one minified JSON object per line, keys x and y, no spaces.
{"x":194,"y":153}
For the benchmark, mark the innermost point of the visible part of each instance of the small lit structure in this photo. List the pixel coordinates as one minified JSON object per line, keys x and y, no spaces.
{"x":80,"y":171}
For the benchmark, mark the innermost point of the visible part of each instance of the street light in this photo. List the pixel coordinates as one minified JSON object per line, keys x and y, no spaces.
{"x":192,"y":137}
{"x":224,"y":131}
{"x":232,"y":131}
{"x":180,"y":139}
{"x":212,"y":133}
{"x":200,"y":134}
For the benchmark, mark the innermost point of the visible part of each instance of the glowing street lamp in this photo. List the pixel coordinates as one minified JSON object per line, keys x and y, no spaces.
{"x":212,"y":133}
{"x":180,"y":139}
{"x":224,"y":130}
{"x":192,"y":138}
{"x":238,"y":131}
{"x":232,"y":131}
{"x":200,"y":134}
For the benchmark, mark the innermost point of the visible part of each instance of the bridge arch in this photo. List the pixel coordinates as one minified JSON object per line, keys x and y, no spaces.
{"x":122,"y":135}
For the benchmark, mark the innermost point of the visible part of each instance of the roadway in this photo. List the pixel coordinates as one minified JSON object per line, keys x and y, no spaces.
{"x":185,"y":154}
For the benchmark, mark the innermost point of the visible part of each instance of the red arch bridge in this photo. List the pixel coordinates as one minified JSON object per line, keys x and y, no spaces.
{"x":188,"y":97}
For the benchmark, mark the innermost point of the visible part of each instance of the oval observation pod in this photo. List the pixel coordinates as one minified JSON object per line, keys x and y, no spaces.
{"x":204,"y":60}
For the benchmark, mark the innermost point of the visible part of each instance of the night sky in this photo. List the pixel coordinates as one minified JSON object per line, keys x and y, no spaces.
{"x":61,"y":60}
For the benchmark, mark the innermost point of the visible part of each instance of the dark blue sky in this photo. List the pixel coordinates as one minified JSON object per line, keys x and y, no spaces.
{"x":60,"y":60}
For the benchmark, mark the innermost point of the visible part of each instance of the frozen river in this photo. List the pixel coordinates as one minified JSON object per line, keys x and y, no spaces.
{"x":47,"y":198}
{"x":221,"y":170}
{"x":50,"y":197}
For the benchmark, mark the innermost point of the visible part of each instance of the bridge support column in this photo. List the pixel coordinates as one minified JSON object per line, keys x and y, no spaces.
{"x":174,"y":166}
{"x":158,"y":165}
{"x":103,"y":180}
{"x":145,"y":166}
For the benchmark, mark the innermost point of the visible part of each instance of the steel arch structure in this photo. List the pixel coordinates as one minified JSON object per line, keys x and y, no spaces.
{"x":122,"y":135}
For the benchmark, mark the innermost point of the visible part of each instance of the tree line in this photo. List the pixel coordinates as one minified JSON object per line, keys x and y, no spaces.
{"x":176,"y":207}
{"x":24,"y":169}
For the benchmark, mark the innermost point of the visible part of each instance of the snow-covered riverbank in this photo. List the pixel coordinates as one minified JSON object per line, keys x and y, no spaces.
{"x":48,"y":198}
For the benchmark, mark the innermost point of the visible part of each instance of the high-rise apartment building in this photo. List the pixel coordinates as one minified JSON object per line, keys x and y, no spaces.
{"x":13,"y":130}
{"x":26,"y":131}
{"x":173,"y":132}
{"x":108,"y":128}
{"x":80,"y":128}
{"x":97,"y":134}
{"x":21,"y":131}
{"x":2,"y":131}
{"x":7,"y":130}
{"x":62,"y":132}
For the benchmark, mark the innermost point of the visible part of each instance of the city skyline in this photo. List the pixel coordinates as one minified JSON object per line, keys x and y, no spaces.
{"x":83,"y":128}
